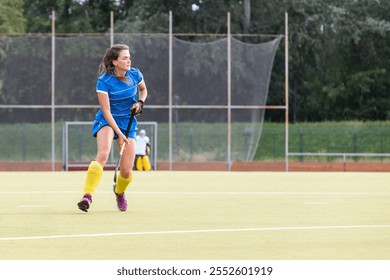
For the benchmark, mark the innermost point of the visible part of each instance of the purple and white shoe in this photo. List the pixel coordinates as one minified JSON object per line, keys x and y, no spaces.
{"x":85,"y":202}
{"x":121,"y":200}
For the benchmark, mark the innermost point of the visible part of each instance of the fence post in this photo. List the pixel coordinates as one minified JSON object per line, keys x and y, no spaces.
{"x":53,"y":99}
{"x":301,"y":142}
{"x":355,"y":148}
{"x":24,"y":144}
{"x":345,"y":162}
{"x":191,"y":134}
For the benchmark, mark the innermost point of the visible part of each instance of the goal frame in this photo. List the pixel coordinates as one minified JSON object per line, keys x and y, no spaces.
{"x":66,"y":165}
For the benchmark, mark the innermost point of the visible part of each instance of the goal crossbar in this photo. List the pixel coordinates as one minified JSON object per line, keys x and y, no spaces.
{"x":69,"y":163}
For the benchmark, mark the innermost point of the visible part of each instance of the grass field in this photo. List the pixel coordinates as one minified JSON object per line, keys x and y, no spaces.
{"x":199,"y":216}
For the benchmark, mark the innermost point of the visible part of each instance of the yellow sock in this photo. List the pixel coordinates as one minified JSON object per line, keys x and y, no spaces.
{"x":123,"y":183}
{"x":94,"y":174}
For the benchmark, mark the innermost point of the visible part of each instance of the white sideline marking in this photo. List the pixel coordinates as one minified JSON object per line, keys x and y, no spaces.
{"x":43,"y":192}
{"x":206,"y":193}
{"x":32,"y":206}
{"x":316,"y":203}
{"x":264,"y":193}
{"x":190,"y":231}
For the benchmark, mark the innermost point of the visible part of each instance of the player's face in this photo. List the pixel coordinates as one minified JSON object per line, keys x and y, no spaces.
{"x":124,"y":61}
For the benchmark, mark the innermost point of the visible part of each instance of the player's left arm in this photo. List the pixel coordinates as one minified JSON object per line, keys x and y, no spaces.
{"x":143,"y":93}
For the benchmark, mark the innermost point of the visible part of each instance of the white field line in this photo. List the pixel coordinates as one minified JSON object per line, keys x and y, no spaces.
{"x":32,"y":206}
{"x":264,"y":193}
{"x":192,"y":231}
{"x":42,"y":206}
{"x":199,"y":193}
{"x":41,"y":192}
{"x":316,"y":203}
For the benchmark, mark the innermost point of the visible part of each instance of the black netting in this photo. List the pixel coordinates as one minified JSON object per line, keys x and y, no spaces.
{"x":77,"y":61}
{"x":251,"y":72}
{"x":25,"y":71}
{"x":199,"y":77}
{"x":199,"y":74}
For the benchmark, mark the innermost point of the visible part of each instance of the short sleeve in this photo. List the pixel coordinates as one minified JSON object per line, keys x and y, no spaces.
{"x":137,"y":75}
{"x":102,"y":86}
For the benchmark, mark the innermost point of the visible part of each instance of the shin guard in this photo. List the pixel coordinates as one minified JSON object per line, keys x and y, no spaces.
{"x":94,"y":174}
{"x":123,"y":183}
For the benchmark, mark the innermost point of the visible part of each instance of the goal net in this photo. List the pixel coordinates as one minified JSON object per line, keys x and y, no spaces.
{"x":79,"y":147}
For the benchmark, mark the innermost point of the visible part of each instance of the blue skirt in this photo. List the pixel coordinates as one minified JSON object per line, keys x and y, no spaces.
{"x":121,"y":121}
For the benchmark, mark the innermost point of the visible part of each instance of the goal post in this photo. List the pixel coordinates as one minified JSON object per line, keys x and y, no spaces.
{"x":79,"y":147}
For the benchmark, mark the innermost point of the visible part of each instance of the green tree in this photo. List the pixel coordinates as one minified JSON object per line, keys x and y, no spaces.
{"x":11,"y":21}
{"x":144,"y":16}
{"x":197,"y":16}
{"x":11,"y":16}
{"x":334,"y":47}
{"x":344,"y":74}
{"x":72,"y":16}
{"x":38,"y":14}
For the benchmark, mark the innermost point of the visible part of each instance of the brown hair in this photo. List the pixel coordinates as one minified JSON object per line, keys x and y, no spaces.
{"x":109,"y":55}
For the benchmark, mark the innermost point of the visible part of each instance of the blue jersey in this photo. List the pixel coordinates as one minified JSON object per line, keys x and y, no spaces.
{"x":122,"y":96}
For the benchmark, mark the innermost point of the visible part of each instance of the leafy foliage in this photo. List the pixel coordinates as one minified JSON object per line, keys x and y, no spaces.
{"x":11,"y":16}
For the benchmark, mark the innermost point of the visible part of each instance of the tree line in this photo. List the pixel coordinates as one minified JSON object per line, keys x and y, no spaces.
{"x":339,"y":49}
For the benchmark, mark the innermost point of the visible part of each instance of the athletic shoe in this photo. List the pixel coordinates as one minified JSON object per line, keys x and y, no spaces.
{"x":85,"y":202}
{"x":121,"y":200}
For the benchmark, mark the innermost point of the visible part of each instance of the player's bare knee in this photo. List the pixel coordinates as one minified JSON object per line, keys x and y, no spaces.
{"x":102,"y":157}
{"x":126,"y":173}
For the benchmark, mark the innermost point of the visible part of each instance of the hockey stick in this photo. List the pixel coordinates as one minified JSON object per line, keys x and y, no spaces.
{"x":123,"y":145}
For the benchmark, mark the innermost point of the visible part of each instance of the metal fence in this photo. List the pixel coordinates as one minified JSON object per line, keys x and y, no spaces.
{"x":212,"y":92}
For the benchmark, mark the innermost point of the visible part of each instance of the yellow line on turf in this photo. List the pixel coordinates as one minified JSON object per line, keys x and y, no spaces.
{"x":192,"y":231}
